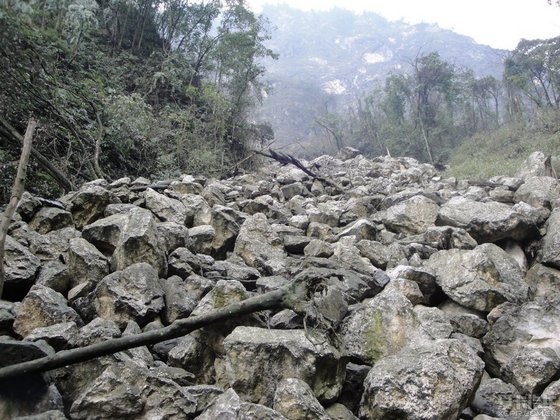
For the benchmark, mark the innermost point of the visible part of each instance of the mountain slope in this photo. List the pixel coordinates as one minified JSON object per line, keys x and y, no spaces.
{"x":329,"y":58}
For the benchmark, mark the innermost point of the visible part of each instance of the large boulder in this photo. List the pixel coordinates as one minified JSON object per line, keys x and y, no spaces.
{"x":88,"y":204}
{"x":257,"y":359}
{"x":412,"y":216}
{"x":132,"y":391}
{"x":50,"y":218}
{"x":523,"y":345}
{"x":43,"y":307}
{"x":129,"y":238}
{"x":295,"y":400}
{"x":550,"y":253}
{"x":378,"y":327}
{"x":538,"y":191}
{"x":481,"y":278}
{"x":20,"y":267}
{"x":86,"y":263}
{"x":131,"y":294}
{"x":430,"y":380}
{"x":165,"y":208}
{"x":260,"y":246}
{"x":491,"y":221}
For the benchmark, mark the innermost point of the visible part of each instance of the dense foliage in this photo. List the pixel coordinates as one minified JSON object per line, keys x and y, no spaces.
{"x":432,"y":109}
{"x":130,"y":87}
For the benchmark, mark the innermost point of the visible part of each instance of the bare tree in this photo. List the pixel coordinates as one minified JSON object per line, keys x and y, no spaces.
{"x":17,"y":191}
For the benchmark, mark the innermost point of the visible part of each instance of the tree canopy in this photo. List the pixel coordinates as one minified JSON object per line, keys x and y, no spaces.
{"x":130,"y":87}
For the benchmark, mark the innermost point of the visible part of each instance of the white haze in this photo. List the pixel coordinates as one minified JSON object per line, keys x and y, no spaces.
{"x":498,"y":23}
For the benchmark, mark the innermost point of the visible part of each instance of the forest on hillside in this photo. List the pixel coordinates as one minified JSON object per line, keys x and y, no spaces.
{"x":156,"y":88}
{"x":128,"y":87}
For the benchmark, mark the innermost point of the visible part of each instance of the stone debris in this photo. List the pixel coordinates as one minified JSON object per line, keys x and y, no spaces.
{"x":436,"y":298}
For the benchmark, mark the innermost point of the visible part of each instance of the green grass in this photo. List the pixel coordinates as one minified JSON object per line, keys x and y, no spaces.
{"x":501,"y":152}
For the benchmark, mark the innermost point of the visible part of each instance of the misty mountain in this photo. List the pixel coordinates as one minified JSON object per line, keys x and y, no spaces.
{"x":327,"y":59}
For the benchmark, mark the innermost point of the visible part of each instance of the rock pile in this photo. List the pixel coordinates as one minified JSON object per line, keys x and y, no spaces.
{"x":439,"y":298}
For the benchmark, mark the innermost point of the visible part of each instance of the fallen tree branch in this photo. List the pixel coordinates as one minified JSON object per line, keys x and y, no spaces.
{"x":291,"y":296}
{"x":11,"y":134}
{"x":285,"y":159}
{"x":17,"y":191}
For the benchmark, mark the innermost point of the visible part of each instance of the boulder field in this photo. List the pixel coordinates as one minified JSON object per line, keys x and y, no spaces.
{"x":435,"y":298}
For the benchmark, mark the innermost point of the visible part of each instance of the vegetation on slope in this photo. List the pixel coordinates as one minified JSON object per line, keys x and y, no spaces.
{"x":129,"y":87}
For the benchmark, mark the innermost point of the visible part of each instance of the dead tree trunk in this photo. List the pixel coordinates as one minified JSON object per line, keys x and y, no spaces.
{"x":17,"y":191}
{"x":11,"y":134}
{"x":291,"y":296}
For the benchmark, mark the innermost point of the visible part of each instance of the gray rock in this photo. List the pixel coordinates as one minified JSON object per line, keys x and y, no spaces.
{"x":52,"y":245}
{"x":260,"y":247}
{"x":257,"y":359}
{"x":295,"y":400}
{"x":130,"y":390}
{"x":7,"y":316}
{"x":179,"y":302}
{"x":318,"y":248}
{"x":230,"y":406}
{"x":425,"y":280}
{"x":534,"y":165}
{"x":172,"y":236}
{"x":550,"y":254}
{"x":28,"y":206}
{"x":291,"y":190}
{"x":407,"y":288}
{"x":286,"y":320}
{"x":86,"y":263}
{"x":496,"y":398}
{"x":165,"y":208}
{"x":523,"y":345}
{"x":131,"y":294}
{"x":129,"y":238}
{"x":226,"y":223}
{"x":56,"y":275}
{"x":433,"y":322}
{"x":20,"y":267}
{"x":490,"y":221}
{"x":50,"y":218}
{"x":538,"y":191}
{"x":412,"y":216}
{"x":434,"y":379}
{"x":479,"y":279}
{"x":47,"y":415}
{"x":325,"y":213}
{"x":43,"y":307}
{"x":340,"y":412}
{"x":548,"y":404}
{"x":88,"y":204}
{"x":379,"y":327}
{"x":204,"y":395}
{"x":14,"y":351}
{"x":464,"y":320}
{"x":201,"y":239}
{"x":97,"y":331}
{"x":544,"y":282}
{"x":59,"y":336}
{"x":362,"y":229}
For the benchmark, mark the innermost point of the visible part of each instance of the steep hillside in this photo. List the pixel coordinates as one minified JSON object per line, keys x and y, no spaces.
{"x":329,"y":58}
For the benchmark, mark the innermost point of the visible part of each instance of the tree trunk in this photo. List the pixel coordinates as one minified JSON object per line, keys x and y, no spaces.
{"x":291,"y":296}
{"x":17,"y":191}
{"x":14,"y":137}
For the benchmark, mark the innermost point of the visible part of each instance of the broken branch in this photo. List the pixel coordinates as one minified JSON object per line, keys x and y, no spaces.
{"x":17,"y":191}
{"x":290,"y":296}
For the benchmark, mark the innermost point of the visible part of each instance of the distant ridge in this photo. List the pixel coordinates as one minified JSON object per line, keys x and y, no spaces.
{"x":329,"y":58}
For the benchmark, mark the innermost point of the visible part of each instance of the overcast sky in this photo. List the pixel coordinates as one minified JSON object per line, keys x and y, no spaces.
{"x":498,"y":23}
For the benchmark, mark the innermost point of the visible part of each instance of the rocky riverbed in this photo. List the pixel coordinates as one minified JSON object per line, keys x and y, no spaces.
{"x":435,"y":298}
